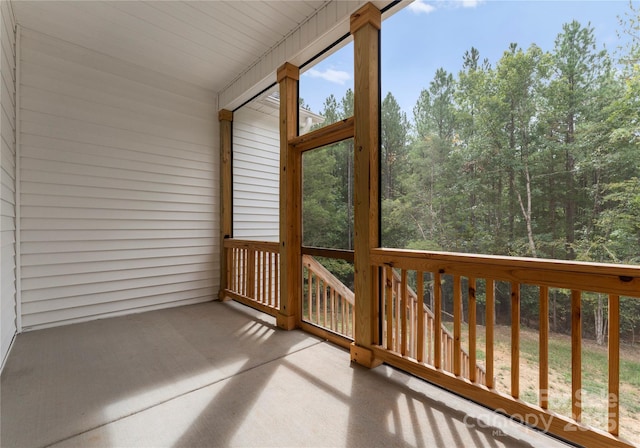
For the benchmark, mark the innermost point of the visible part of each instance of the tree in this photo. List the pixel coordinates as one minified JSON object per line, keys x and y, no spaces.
{"x":520,"y":76}
{"x":394,"y":132}
{"x":472,"y":87}
{"x":577,"y":64}
{"x":434,"y":112}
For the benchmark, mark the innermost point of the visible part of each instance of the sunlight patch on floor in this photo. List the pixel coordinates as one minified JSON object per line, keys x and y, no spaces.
{"x":167,"y":391}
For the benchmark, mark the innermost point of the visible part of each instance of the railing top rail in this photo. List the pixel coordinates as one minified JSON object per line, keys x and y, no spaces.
{"x":327,"y":276}
{"x":266,"y":246}
{"x":596,"y":277}
{"x":341,"y":254}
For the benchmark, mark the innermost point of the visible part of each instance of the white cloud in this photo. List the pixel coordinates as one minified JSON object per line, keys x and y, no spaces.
{"x":419,"y":7}
{"x":470,"y":3}
{"x":331,"y":75}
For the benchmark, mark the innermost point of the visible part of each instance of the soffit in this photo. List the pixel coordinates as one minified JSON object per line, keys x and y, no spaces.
{"x":205,"y":43}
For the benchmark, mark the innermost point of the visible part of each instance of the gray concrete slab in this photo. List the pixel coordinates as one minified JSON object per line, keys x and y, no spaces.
{"x":220,"y":374}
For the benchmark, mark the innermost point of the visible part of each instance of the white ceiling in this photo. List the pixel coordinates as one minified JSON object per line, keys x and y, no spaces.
{"x":206,"y":43}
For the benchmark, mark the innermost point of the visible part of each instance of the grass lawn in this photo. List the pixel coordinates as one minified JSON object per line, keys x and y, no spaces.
{"x":595,"y":373}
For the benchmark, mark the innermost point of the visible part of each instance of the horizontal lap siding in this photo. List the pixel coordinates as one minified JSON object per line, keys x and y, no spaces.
{"x":7,"y":180}
{"x":256,"y":169}
{"x":118,"y":187}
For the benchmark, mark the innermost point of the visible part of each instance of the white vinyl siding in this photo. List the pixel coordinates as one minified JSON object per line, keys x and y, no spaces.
{"x":7,"y":180}
{"x":256,"y":175}
{"x":119,"y":178}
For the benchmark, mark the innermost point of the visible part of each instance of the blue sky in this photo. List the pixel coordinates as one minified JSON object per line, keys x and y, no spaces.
{"x":427,"y":35}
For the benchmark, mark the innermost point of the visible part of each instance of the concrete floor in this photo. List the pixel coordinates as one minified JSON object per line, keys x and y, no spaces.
{"x":220,"y":374}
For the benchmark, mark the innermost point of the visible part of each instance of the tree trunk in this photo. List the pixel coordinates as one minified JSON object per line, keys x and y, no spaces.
{"x":555,"y":314}
{"x":570,"y":203}
{"x":526,"y":213}
{"x":600,"y":321}
{"x":570,"y":208}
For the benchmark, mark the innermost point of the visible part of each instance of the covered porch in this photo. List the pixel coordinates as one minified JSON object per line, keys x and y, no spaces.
{"x":118,"y":199}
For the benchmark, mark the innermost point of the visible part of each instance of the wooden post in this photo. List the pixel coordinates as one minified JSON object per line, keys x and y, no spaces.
{"x":365,"y":28}
{"x":226,"y":212}
{"x":290,"y":197}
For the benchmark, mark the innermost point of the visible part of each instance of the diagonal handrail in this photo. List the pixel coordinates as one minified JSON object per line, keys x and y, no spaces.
{"x":447,"y":336}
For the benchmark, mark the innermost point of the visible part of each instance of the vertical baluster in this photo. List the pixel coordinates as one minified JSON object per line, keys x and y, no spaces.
{"x":236,"y":256}
{"x":411,"y":342}
{"x":388,"y":277}
{"x":446,"y":349}
{"x":270,"y":279}
{"x":437,"y":307}
{"x":241,"y":268}
{"x":490,"y":312}
{"x":276,"y":286}
{"x":344,"y":317}
{"x":576,"y":355}
{"x":256,"y":275}
{"x":430,"y":336}
{"x":232,"y":269}
{"x":245,"y":274}
{"x":239,"y":271}
{"x":377,"y":291}
{"x":515,"y":340}
{"x":450,"y":353}
{"x":420,"y":313}
{"x":326,"y":303}
{"x":544,"y":347}
{"x":614,"y":365}
{"x":229,"y":265}
{"x":353,"y":318}
{"x":347,"y":317}
{"x":334,"y":304}
{"x":263,"y":295}
{"x":457,"y":323}
{"x":398,"y":304}
{"x":403,"y":312}
{"x":310,"y":293}
{"x":245,"y":279}
{"x":317,"y":299}
{"x":472,"y":330}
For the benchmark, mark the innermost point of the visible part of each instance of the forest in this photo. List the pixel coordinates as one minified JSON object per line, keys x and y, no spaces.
{"x":535,"y":155}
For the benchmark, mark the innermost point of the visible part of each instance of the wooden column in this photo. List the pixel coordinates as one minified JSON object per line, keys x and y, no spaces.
{"x":290,"y":198}
{"x":365,"y":28}
{"x":226,"y":212}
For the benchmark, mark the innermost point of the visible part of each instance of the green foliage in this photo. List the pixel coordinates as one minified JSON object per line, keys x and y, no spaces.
{"x":534,"y":156}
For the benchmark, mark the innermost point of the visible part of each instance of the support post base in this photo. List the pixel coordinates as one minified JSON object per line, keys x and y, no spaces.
{"x":364,"y":356}
{"x":286,"y":322}
{"x":223,"y":297}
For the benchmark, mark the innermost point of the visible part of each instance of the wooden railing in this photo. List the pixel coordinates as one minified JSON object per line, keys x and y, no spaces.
{"x":404,"y":334}
{"x":327,"y":302}
{"x":412,"y":335}
{"x":253,"y":273}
